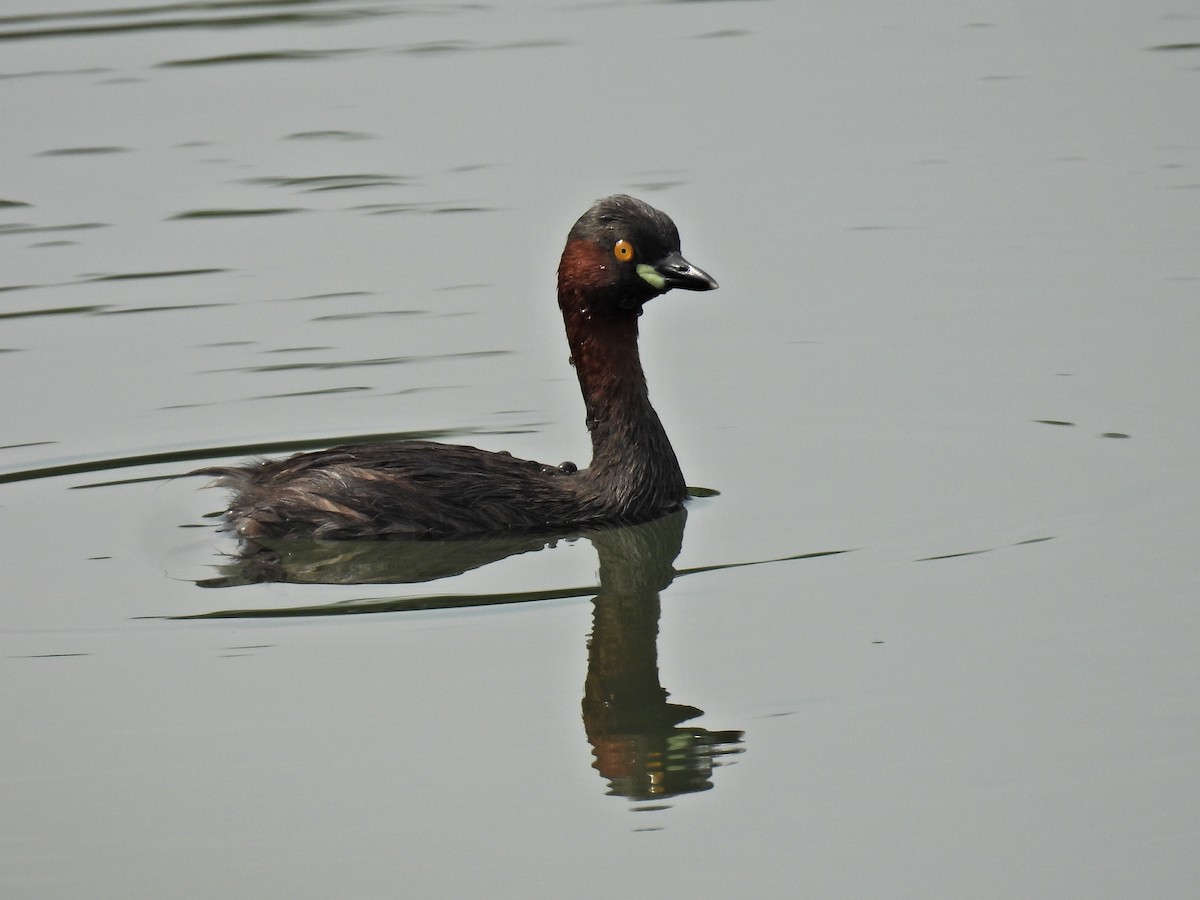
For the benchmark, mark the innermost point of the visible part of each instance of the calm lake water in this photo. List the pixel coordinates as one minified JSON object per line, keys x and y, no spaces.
{"x":956,"y":337}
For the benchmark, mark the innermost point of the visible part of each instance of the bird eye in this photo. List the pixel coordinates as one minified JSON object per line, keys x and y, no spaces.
{"x":623,"y":250}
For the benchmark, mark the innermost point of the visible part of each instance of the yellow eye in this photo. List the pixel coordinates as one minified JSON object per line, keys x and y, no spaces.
{"x":623,"y":250}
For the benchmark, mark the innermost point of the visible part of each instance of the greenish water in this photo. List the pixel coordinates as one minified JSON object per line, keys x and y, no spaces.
{"x":955,"y":337}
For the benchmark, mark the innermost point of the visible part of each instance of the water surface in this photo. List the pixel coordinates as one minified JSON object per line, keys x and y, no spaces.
{"x":955,"y":337}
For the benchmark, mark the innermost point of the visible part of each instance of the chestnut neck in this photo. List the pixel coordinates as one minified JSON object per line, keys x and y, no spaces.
{"x":631,"y":453}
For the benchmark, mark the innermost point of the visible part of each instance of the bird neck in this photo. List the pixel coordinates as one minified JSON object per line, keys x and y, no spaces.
{"x":631,"y":453}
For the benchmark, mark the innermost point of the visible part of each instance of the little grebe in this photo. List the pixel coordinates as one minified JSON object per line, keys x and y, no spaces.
{"x":621,"y":253}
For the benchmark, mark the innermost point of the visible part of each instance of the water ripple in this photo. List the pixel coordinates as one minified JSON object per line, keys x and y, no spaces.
{"x":224,"y":14}
{"x":961,"y":553}
{"x":25,"y":228}
{"x":56,"y":311}
{"x":56,"y":469}
{"x":375,"y":314}
{"x":168,"y":273}
{"x":313,"y":183}
{"x":330,"y":135}
{"x":258,"y":56}
{"x":359,"y":363}
{"x":234,"y":213}
{"x":83,"y":151}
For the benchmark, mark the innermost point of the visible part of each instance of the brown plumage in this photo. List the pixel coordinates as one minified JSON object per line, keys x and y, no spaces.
{"x":621,"y":253}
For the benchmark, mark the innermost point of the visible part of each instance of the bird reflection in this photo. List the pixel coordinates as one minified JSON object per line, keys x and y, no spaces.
{"x":635,"y":733}
{"x":639,"y":743}
{"x":301,"y":561}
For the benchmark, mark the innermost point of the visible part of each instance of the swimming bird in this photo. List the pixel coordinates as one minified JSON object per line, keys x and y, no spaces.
{"x":620,"y":254}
